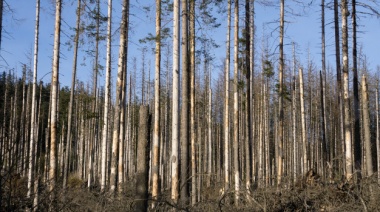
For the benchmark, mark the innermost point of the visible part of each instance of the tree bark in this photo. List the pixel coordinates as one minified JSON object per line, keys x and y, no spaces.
{"x":106,"y":101}
{"x":175,"y":110}
{"x":366,"y":126}
{"x":142,"y":173}
{"x":156,"y":127}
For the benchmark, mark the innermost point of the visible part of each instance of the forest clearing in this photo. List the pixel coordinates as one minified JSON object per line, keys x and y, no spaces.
{"x":263,"y":129}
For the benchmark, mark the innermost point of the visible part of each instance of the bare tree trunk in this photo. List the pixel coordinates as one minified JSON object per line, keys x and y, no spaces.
{"x":54,"y":101}
{"x":192,"y":104}
{"x":347,"y":115}
{"x":226,"y":103}
{"x":280,"y":99}
{"x":294,"y":131}
{"x":236,"y":104}
{"x":175,"y":110}
{"x":366,"y":126}
{"x":303,"y":123}
{"x":377,"y":135}
{"x":156,"y":127}
{"x":142,"y":173}
{"x":70,"y":113}
{"x":33,"y":124}
{"x":356,"y":131}
{"x":106,"y":100}
{"x":118,"y":103}
{"x":184,"y":126}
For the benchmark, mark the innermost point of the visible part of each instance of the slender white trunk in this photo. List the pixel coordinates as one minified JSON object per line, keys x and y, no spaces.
{"x":106,"y":101}
{"x":366,"y":126}
{"x":175,"y":110}
{"x":33,"y":123}
{"x":303,"y":123}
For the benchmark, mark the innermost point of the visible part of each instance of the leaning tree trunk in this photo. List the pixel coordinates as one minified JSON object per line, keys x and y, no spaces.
{"x":54,"y":101}
{"x":33,"y":124}
{"x":118,"y":103}
{"x":70,"y":114}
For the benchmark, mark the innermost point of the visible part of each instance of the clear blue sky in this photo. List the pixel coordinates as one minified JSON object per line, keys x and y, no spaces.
{"x":17,"y":42}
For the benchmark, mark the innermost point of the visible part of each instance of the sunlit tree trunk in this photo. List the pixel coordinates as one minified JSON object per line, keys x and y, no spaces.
{"x":236,"y":104}
{"x":377,"y":134}
{"x":303,"y":123}
{"x":226,"y":103}
{"x":54,"y":101}
{"x":33,"y":123}
{"x":106,"y":101}
{"x":175,"y":109}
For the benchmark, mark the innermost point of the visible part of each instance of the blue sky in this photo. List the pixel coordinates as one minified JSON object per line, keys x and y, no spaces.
{"x":17,"y":42}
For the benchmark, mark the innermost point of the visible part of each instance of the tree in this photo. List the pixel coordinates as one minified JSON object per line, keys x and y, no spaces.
{"x":106,"y":101}
{"x":366,"y":128}
{"x":119,"y":104}
{"x":54,"y":100}
{"x":175,"y":107}
{"x":70,"y":112}
{"x":184,"y":133}
{"x":156,"y":126}
{"x":347,"y":115}
{"x":226,"y":103}
{"x":236,"y":104}
{"x":33,"y":132}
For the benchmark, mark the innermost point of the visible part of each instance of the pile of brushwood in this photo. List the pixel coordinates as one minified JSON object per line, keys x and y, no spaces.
{"x":307,"y":194}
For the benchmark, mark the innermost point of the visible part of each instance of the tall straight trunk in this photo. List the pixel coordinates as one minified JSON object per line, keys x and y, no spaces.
{"x":106,"y":101}
{"x":294,"y":131}
{"x":338,"y":74}
{"x":280,"y":98}
{"x":236,"y":103}
{"x":366,"y":126}
{"x":251,"y":83}
{"x":175,"y":110}
{"x":184,"y":133}
{"x":356,"y":136}
{"x":209,"y":142}
{"x":33,"y":124}
{"x":323,"y":89}
{"x":97,"y":37}
{"x":248,"y":171}
{"x":303,"y":123}
{"x":1,"y":19}
{"x":70,"y":114}
{"x":226,"y":103}
{"x":346,"y":98}
{"x":192,"y":103}
{"x":143,"y":158}
{"x":54,"y":101}
{"x":118,"y":103}
{"x":156,"y":126}
{"x":377,"y":134}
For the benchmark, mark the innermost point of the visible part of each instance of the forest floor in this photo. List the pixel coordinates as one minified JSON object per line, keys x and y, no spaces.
{"x":316,"y":196}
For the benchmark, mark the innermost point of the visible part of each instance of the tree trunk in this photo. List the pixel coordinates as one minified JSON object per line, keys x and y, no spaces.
{"x":366,"y":126}
{"x":106,"y":101}
{"x":156,"y":127}
{"x":236,"y":104}
{"x":226,"y":103}
{"x":175,"y":110}
{"x":184,"y":133}
{"x":142,"y":173}
{"x":280,"y":98}
{"x":303,"y":123}
{"x":70,"y":113}
{"x":33,"y":124}
{"x":347,"y":115}
{"x":54,"y":101}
